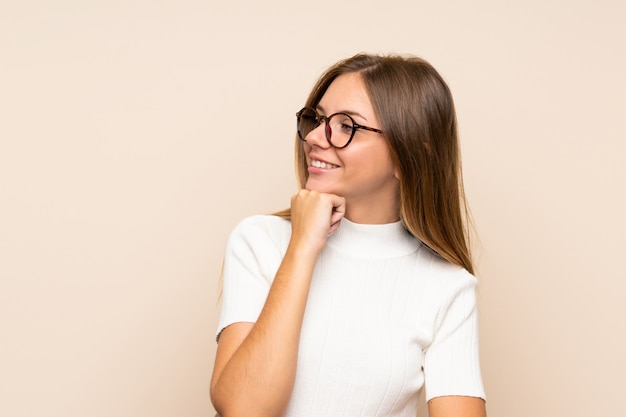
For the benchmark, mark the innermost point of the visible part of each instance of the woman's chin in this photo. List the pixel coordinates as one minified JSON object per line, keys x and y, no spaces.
{"x":320,"y":188}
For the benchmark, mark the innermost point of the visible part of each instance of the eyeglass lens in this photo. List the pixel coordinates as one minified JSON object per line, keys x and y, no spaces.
{"x":339,"y":127}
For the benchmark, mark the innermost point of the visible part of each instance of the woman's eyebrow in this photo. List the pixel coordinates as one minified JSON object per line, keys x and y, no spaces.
{"x":348,"y":112}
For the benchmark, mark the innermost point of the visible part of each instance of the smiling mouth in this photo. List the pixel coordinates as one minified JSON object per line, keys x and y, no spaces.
{"x":324,"y":165}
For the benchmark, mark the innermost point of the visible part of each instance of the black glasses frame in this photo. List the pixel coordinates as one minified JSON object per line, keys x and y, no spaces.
{"x":327,"y":129}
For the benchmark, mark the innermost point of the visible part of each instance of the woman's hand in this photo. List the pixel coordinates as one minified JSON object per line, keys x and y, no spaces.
{"x":314,"y":217}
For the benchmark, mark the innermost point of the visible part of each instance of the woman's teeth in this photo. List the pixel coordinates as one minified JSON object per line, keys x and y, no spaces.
{"x":320,"y":164}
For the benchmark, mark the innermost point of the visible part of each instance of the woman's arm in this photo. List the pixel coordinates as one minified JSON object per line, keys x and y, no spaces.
{"x":456,"y":406}
{"x":256,"y":362}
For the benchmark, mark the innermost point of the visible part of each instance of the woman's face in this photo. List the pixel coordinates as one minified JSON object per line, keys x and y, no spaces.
{"x":363,"y":172}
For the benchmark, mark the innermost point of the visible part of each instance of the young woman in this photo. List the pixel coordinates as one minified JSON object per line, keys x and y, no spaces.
{"x":360,"y":294}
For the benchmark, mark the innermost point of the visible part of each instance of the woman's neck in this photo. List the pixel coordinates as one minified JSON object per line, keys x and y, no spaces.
{"x":371,"y":213}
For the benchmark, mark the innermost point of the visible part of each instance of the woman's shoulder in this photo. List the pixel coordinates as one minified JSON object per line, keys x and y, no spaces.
{"x":446,"y":274}
{"x":262,"y":228}
{"x":263,"y":222}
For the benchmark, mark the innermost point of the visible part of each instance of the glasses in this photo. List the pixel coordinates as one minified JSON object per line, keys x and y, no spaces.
{"x":339,"y":128}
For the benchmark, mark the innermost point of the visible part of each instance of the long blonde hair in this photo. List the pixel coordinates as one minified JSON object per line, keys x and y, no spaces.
{"x":416,"y":113}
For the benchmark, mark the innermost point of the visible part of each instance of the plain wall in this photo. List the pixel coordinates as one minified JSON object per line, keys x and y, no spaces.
{"x":134,"y":135}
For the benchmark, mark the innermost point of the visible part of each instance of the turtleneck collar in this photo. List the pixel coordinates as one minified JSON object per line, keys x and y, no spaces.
{"x":373,"y":240}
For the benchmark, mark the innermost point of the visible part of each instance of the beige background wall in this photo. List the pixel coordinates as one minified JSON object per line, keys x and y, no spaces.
{"x":135,"y":134}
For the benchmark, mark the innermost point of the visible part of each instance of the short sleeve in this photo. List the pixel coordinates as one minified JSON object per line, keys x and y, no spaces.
{"x":253,"y":253}
{"x":451,"y":362}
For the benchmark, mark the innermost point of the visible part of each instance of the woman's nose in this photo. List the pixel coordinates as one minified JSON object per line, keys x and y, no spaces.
{"x":317,"y":136}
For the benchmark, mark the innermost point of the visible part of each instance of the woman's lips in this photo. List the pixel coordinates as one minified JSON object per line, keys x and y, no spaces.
{"x":321,"y":164}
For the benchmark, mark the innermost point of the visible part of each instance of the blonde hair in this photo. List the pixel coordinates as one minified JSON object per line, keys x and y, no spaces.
{"x":416,"y":113}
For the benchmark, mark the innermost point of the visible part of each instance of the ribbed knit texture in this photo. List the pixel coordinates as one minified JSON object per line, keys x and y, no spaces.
{"x":384,"y":315}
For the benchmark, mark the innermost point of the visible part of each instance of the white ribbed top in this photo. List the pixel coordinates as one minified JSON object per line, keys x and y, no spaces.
{"x":384,"y":315}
